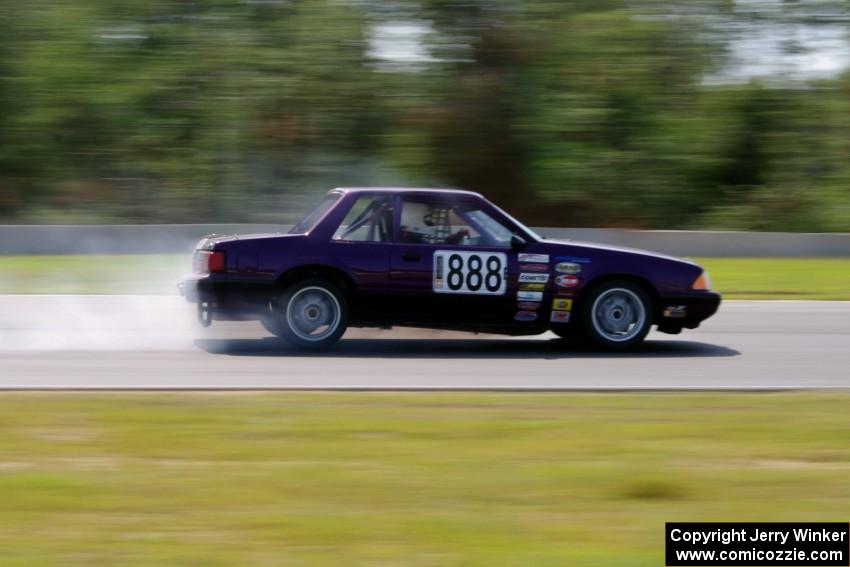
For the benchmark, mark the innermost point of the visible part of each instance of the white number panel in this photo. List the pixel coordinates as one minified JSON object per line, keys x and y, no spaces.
{"x":482,"y":273}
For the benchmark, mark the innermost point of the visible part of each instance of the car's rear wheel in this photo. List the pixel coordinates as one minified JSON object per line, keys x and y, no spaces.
{"x":310,"y":314}
{"x":616,"y":315}
{"x":270,"y":324}
{"x":566,"y":332}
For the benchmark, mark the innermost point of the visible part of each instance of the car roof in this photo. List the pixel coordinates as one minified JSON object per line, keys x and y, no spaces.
{"x":408,"y":191}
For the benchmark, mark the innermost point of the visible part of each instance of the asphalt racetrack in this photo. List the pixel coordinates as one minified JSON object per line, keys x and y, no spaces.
{"x":54,"y":341}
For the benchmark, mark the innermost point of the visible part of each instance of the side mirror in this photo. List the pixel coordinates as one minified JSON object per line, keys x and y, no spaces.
{"x":517,"y":242}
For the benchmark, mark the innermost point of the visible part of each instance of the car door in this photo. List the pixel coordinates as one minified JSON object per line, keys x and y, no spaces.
{"x":443,"y":270}
{"x":361,"y":245}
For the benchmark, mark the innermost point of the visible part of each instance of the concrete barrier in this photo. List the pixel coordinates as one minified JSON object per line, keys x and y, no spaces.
{"x":715,"y":244}
{"x":181,"y":238}
{"x":115,"y":239}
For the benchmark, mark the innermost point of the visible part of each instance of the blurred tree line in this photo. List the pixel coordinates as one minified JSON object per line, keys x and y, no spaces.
{"x":579,"y":113}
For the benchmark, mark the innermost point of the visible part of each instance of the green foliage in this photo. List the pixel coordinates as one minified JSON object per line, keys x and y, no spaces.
{"x":588,"y":113}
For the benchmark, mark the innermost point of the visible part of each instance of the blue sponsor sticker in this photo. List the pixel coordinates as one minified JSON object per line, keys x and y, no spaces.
{"x":525,"y":315}
{"x":529,"y":295}
{"x":575,"y":259}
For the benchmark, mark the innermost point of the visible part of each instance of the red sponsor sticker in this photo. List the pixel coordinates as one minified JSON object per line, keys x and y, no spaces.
{"x":528,"y":305}
{"x":560,"y":317}
{"x":534,"y":267}
{"x":567,"y":280}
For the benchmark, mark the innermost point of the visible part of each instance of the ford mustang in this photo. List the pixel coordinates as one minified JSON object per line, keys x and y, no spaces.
{"x":443,"y":259}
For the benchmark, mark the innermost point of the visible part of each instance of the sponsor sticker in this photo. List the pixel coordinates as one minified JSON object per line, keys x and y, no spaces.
{"x":525,"y":316}
{"x":564,"y":293}
{"x":438,"y":272}
{"x":562,"y":304}
{"x":675,"y":311}
{"x":532,"y":286}
{"x":560,"y":317}
{"x":528,"y":305}
{"x":533,"y":278}
{"x":534,"y":267}
{"x":534,"y":258}
{"x":572,"y":259}
{"x":530,"y":295}
{"x":568,"y":267}
{"x":566,"y":280}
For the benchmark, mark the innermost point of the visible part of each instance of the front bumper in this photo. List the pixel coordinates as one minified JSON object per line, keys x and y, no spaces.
{"x":686,"y":311}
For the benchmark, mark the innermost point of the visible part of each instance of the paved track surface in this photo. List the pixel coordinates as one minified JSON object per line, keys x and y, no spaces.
{"x":152,"y":342}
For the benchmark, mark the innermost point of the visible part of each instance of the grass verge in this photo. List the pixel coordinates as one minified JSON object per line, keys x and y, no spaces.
{"x":94,"y":273}
{"x":736,"y":278}
{"x":404,"y":479}
{"x":780,"y":278}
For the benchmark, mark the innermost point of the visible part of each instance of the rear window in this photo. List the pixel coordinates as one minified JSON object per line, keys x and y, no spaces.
{"x":369,"y":220}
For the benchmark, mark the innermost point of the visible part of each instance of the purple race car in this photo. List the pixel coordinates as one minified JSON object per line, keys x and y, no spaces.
{"x":442,"y":259}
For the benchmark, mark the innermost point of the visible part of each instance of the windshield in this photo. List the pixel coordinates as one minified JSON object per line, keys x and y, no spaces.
{"x":528,"y":231}
{"x":310,"y":219}
{"x":499,"y":234}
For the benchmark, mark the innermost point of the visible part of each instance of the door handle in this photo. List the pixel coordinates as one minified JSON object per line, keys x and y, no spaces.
{"x":411,"y":257}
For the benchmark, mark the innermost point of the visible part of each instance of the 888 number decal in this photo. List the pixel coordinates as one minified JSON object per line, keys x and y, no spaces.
{"x":470,"y":272}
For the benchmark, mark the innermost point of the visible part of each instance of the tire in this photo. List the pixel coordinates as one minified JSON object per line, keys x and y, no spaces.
{"x":270,"y":324}
{"x":616,"y":315}
{"x":311,"y":314}
{"x":566,"y":332}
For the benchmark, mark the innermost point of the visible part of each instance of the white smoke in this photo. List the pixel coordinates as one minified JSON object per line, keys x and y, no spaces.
{"x":96,"y":322}
{"x":57,"y":310}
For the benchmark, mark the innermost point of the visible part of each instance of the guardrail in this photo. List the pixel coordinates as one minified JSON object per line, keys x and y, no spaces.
{"x":180,"y":238}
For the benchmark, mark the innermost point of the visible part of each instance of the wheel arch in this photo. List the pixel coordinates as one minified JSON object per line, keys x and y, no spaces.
{"x":641,"y":281}
{"x":333,"y":274}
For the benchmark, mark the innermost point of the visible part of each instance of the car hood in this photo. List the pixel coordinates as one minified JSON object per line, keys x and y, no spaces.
{"x":594,"y":246}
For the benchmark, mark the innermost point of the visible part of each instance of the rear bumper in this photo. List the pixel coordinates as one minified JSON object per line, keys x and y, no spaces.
{"x":226,"y":298}
{"x":686,"y":311}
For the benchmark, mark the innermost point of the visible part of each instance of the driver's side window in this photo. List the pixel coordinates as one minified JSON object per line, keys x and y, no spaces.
{"x":432,"y":222}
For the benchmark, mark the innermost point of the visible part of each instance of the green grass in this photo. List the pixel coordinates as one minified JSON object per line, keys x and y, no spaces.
{"x":736,"y":278}
{"x":95,"y":273}
{"x":780,"y":278}
{"x":375,"y":479}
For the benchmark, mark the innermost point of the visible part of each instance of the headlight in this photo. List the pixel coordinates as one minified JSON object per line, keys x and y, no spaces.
{"x":703,"y":282}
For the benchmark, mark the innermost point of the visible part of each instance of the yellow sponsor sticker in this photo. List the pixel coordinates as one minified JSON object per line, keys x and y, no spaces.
{"x":532,"y":286}
{"x":559,"y":304}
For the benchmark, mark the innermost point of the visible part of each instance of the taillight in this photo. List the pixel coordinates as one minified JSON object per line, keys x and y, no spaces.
{"x":216,"y":262}
{"x":209,"y":261}
{"x":702,"y":282}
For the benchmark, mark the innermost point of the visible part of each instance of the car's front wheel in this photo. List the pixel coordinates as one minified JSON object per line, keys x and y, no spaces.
{"x":311,"y":314}
{"x":616,"y":315}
